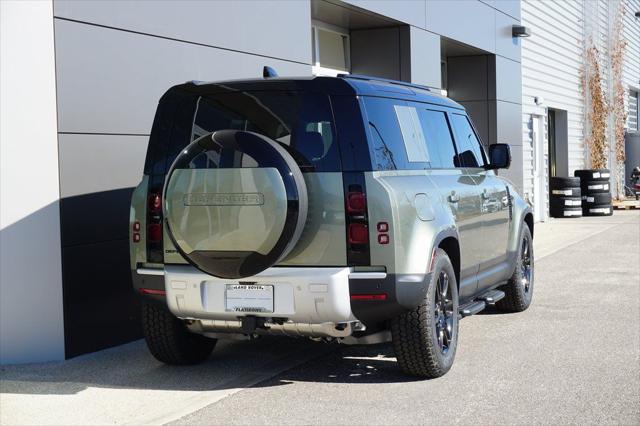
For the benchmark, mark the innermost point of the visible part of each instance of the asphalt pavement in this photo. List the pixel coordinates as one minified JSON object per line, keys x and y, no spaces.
{"x":573,"y":357}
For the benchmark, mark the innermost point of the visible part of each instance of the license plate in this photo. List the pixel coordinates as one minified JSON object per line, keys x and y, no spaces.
{"x":249,"y":298}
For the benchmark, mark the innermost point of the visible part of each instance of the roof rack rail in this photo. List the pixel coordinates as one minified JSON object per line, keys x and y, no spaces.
{"x":386,"y":80}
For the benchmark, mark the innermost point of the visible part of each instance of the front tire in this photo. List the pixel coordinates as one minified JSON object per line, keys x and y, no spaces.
{"x":168,"y":339}
{"x":519,"y":290}
{"x":425,"y":338}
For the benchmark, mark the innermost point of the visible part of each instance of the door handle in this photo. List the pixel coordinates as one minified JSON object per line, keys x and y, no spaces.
{"x":453,"y":198}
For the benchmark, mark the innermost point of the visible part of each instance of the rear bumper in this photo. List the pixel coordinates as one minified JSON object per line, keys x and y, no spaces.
{"x":307,"y":301}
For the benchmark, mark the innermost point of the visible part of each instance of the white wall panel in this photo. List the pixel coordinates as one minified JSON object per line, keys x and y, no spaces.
{"x":274,"y":28}
{"x":95,"y":163}
{"x":510,"y":7}
{"x":411,"y":12}
{"x":109,"y":81}
{"x":507,"y":45}
{"x":470,"y":22}
{"x":31,"y":313}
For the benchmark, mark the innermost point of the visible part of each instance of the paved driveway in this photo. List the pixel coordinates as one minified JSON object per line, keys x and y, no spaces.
{"x":573,"y":357}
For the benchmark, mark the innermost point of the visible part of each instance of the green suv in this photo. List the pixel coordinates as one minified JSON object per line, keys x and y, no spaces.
{"x":347,"y":208}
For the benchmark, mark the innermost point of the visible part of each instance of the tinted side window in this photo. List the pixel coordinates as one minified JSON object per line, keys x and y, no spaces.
{"x":396,"y":137}
{"x":438,"y":138}
{"x":470,"y":153}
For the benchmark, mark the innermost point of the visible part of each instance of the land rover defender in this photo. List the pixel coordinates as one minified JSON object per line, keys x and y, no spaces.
{"x":349,"y":208}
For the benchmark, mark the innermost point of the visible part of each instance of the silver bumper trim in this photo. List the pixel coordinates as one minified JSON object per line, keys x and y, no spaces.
{"x":367,"y":275}
{"x":150,"y":271}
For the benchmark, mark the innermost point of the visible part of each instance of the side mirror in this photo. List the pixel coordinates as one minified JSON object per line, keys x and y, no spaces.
{"x":499,"y":156}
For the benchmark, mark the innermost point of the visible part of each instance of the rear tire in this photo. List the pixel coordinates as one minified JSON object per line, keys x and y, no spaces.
{"x":168,"y":339}
{"x":425,"y":338}
{"x":518,"y":292}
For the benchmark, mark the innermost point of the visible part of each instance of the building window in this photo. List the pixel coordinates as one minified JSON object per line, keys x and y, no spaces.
{"x":330,"y":49}
{"x":634,"y":114}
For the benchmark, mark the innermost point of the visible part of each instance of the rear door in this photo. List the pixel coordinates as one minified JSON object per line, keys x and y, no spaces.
{"x":494,"y":202}
{"x":458,"y":191}
{"x":300,"y":121}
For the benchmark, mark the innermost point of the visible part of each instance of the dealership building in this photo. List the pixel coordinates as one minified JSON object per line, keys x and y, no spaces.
{"x":80,"y":81}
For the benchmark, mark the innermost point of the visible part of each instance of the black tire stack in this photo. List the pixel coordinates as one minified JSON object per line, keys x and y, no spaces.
{"x":565,"y":197}
{"x":596,"y":192}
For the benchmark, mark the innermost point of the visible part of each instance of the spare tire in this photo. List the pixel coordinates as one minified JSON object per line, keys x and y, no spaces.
{"x":235,"y":203}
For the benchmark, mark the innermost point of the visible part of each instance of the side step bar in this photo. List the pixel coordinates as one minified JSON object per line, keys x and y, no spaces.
{"x":481,"y":302}
{"x":492,"y":296}
{"x":472,"y":308}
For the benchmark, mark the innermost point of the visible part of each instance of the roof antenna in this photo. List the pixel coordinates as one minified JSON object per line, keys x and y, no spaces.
{"x":268,"y":72}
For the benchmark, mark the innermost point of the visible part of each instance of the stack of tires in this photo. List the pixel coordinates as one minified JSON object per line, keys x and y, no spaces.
{"x":596,"y":192}
{"x":565,"y":197}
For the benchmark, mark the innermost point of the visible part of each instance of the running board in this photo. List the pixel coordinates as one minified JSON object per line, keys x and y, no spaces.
{"x":472,"y":308}
{"x":492,"y":296}
{"x":481,"y":302}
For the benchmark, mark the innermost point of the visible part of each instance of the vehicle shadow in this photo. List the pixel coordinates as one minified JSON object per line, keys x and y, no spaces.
{"x":347,"y":365}
{"x":233,"y":364}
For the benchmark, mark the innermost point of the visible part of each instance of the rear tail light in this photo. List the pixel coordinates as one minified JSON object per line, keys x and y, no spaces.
{"x":154,"y":226}
{"x":358,"y":233}
{"x":356,"y":203}
{"x":154,"y":232}
{"x":356,"y":220}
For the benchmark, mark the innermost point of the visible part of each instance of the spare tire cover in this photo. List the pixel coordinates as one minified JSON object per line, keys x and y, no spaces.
{"x":235,"y":203}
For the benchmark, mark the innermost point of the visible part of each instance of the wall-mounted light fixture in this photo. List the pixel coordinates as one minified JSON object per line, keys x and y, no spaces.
{"x":520,"y":31}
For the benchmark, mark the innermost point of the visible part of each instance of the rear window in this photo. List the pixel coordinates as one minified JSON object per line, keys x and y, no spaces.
{"x":301,"y":122}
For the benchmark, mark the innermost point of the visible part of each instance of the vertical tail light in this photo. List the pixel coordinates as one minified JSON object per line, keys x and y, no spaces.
{"x":155,"y":203}
{"x":356,"y":220}
{"x":154,"y":232}
{"x":154,"y":226}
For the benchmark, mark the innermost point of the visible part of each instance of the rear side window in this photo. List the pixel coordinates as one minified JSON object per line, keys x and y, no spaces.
{"x":396,"y":137}
{"x":301,"y":122}
{"x":470,"y":152}
{"x":438,"y":138}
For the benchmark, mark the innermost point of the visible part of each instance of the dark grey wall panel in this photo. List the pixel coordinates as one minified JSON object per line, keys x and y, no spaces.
{"x":100,"y":307}
{"x":109,"y":81}
{"x":385,"y":42}
{"x":468,"y":78}
{"x":280,"y":29}
{"x":96,"y":163}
